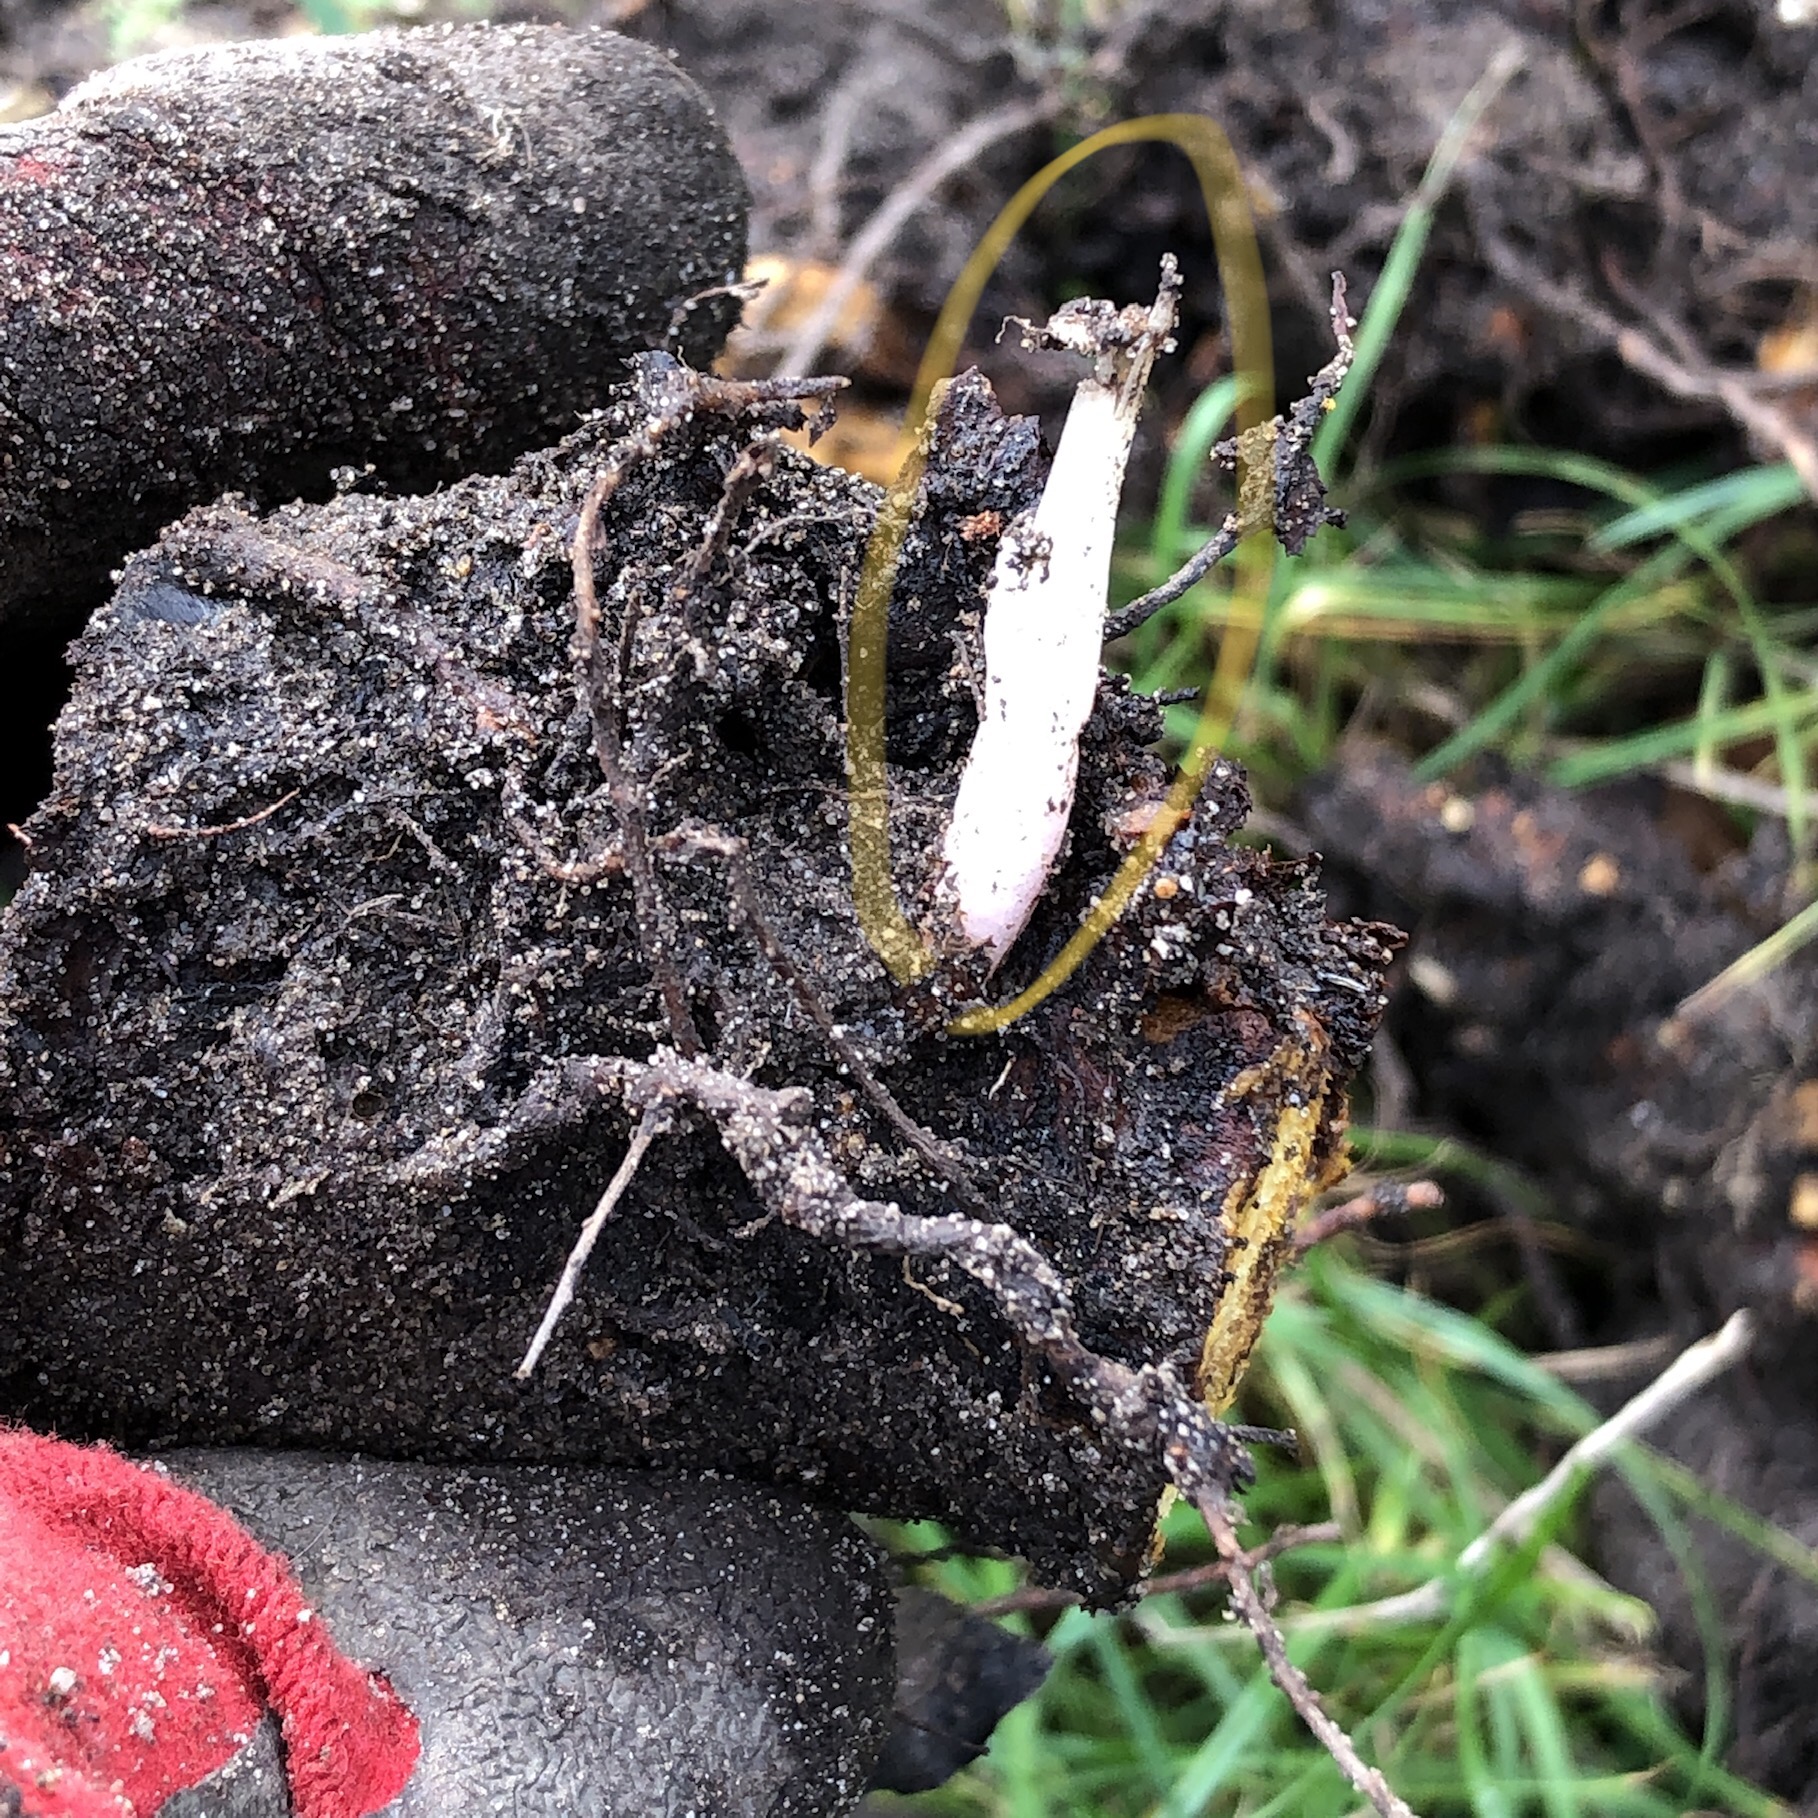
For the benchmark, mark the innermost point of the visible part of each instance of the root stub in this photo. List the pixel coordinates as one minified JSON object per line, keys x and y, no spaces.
{"x":303,"y":1112}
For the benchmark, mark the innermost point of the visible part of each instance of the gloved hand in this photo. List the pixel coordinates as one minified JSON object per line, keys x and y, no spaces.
{"x":552,"y":1640}
{"x":563,"y":1639}
{"x":151,"y":1651}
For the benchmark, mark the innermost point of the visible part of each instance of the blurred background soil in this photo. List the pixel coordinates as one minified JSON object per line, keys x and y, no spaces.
{"x":1644,"y":171}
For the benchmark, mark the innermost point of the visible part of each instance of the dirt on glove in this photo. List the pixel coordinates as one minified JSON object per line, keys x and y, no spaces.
{"x":607,"y":1642}
{"x":420,"y":253}
{"x":338,"y":962}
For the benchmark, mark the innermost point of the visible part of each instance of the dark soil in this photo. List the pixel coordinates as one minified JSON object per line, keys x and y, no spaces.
{"x":384,"y":971}
{"x":300,"y":998}
{"x":1555,"y":938}
{"x":1543,"y":1011}
{"x":1608,"y":189}
{"x":1646,"y":174}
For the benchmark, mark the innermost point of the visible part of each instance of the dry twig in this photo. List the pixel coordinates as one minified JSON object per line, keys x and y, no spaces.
{"x":1280,"y":490}
{"x":1034,"y":1598}
{"x":1188,"y":576}
{"x":1387,"y":1199}
{"x":1683,"y":1378}
{"x":1690,"y":375}
{"x":746,"y":291}
{"x":838,"y":119}
{"x":1293,"y":1682}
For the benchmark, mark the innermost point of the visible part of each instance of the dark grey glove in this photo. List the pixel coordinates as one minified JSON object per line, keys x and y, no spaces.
{"x":601,"y":1644}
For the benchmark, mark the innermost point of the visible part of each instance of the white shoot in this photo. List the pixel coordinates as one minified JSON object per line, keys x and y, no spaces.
{"x":1044,"y":628}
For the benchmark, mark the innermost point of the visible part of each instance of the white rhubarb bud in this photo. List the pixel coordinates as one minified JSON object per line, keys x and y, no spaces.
{"x":1044,"y":628}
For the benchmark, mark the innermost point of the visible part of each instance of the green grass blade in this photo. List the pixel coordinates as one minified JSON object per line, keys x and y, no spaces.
{"x":1773,"y":1543}
{"x":1598,"y":763}
{"x":1713,"y":692}
{"x":1543,"y":1726}
{"x":1644,"y":1485}
{"x":1407,"y":600}
{"x":1758,"y":962}
{"x":1390,"y":296}
{"x":1168,"y":541}
{"x":1138,"y":1719}
{"x":1719,"y":507}
{"x":1645,"y":1719}
{"x":1489,"y":1799}
{"x":1546,"y":676}
{"x":1214,"y":1763}
{"x":1016,"y":1758}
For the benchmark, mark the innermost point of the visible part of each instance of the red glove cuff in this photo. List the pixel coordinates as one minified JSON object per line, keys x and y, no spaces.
{"x":143,"y":1633}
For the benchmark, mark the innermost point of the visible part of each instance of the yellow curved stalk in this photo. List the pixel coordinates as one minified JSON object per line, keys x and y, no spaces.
{"x":898,"y":943}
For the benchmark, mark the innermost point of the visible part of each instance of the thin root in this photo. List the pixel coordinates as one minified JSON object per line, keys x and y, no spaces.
{"x":1279,"y":487}
{"x":673,"y":395}
{"x":1030,"y":1599}
{"x":212,"y":833}
{"x":1387,"y":1199}
{"x":771,"y":1135}
{"x":1247,"y":1599}
{"x":650,"y":1126}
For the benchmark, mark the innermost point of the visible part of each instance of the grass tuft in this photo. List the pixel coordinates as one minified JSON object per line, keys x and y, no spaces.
{"x":1534,"y":1691}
